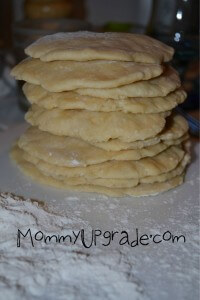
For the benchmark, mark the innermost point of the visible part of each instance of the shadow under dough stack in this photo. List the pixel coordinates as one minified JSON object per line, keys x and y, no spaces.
{"x":101,"y":114}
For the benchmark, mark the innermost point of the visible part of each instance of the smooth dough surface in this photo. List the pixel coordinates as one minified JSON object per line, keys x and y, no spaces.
{"x":140,"y":190}
{"x":96,"y":126}
{"x":160,"y":86}
{"x":72,"y":100}
{"x":176,"y":128}
{"x":148,"y":166}
{"x":84,"y":46}
{"x":73,"y":152}
{"x":58,"y":76}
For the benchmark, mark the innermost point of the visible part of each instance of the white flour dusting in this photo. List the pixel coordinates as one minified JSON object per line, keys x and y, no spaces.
{"x":75,"y":162}
{"x":57,"y":271}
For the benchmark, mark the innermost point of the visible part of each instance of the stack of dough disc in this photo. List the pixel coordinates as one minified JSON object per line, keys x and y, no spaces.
{"x":101,"y":114}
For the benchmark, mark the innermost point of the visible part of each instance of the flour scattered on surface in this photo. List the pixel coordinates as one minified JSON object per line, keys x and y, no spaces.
{"x":56,"y":271}
{"x":70,"y":198}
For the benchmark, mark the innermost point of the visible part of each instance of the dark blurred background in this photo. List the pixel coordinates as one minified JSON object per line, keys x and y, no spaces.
{"x":176,"y":22}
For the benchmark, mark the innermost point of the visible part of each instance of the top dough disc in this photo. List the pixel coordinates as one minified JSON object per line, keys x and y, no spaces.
{"x":58,"y":76}
{"x":84,"y":46}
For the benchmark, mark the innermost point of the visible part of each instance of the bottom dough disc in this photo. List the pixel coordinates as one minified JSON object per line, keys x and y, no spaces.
{"x":140,"y":190}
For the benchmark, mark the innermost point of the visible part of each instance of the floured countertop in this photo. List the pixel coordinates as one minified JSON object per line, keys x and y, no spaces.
{"x":52,"y":270}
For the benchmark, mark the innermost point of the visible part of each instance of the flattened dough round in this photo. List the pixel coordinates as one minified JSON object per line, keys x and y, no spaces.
{"x":58,"y":76}
{"x":96,"y":126}
{"x":148,"y":166}
{"x":73,"y":152}
{"x":121,"y":182}
{"x":140,"y":190}
{"x":176,"y":128}
{"x":130,"y":182}
{"x":72,"y":100}
{"x":84,"y":46}
{"x":169,"y":175}
{"x":160,"y":86}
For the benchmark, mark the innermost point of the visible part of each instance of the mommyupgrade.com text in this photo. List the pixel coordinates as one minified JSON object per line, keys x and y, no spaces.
{"x":97,"y":237}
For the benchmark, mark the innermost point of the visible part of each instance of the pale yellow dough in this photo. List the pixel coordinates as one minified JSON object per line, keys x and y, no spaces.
{"x":73,"y":152}
{"x":96,"y":126}
{"x":58,"y":76}
{"x":148,"y":166}
{"x":85,"y":46}
{"x":140,"y":190}
{"x":72,"y":100}
{"x":160,"y":86}
{"x":176,"y":127}
{"x":122,"y":182}
{"x":101,"y":114}
{"x":169,"y":175}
